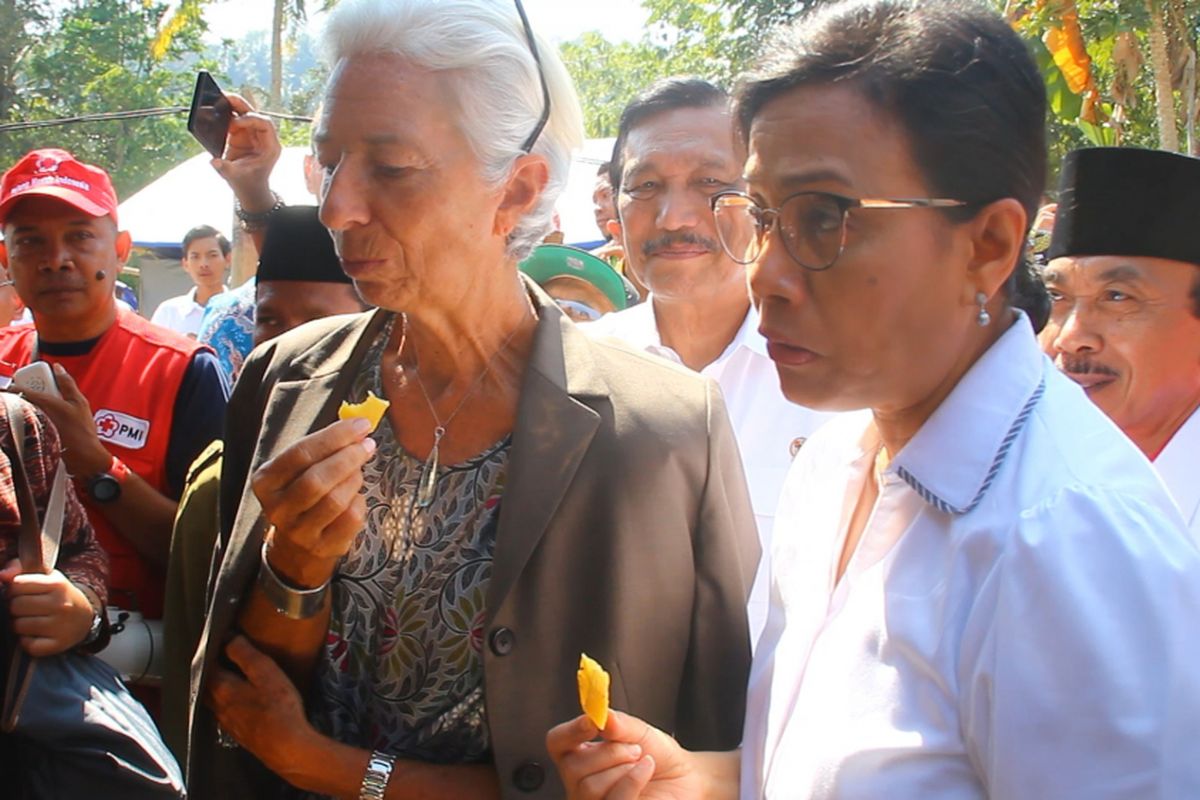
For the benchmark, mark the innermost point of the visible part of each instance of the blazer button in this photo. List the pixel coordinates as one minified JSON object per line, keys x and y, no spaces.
{"x":502,"y":642}
{"x":529,"y":777}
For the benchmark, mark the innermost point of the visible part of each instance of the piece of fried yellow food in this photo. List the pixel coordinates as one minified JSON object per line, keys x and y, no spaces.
{"x":593,"y":691}
{"x":371,"y":409}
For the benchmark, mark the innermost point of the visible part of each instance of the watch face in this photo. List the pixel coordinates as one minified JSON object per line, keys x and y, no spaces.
{"x":104,"y":488}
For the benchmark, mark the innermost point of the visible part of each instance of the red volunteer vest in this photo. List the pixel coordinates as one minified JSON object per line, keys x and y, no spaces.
{"x":131,"y":379}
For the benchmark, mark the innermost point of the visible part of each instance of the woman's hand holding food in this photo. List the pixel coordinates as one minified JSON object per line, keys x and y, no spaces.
{"x":310,"y":495}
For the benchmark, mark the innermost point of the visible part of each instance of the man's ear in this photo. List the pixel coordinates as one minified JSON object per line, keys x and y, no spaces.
{"x":124,"y":246}
{"x":614,"y":229}
{"x":3,"y":256}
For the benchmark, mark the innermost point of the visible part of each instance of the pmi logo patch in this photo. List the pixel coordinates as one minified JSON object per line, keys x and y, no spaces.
{"x":122,"y":429}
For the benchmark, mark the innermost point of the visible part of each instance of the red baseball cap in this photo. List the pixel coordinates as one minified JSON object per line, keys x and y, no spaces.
{"x":58,"y":174}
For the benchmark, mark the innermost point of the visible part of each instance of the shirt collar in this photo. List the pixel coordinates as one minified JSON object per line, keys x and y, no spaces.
{"x":646,"y":333}
{"x":748,"y":335}
{"x":1177,"y":463}
{"x":955,"y":456}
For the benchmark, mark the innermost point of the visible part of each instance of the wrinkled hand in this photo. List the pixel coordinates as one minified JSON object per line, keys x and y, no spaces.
{"x":49,"y":613}
{"x":310,"y":494}
{"x":71,"y":414}
{"x":634,"y":760}
{"x":262,"y":711}
{"x":251,"y":151}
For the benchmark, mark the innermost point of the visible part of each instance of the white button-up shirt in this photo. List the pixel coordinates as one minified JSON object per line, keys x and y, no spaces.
{"x":181,"y":314}
{"x":769,"y":429}
{"x":1020,"y":620}
{"x":1179,"y":466}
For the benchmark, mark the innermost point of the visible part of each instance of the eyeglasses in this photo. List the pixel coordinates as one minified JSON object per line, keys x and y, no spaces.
{"x":580,"y":312}
{"x":527,"y":146}
{"x":813,"y":224}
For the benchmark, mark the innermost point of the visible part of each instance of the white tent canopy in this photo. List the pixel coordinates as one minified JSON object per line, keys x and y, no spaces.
{"x":194,"y":194}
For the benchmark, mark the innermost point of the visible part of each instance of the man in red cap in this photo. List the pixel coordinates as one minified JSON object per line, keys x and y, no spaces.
{"x":138,"y":403}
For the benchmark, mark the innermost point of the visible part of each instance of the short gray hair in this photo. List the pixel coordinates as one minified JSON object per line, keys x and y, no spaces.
{"x":481,"y":45}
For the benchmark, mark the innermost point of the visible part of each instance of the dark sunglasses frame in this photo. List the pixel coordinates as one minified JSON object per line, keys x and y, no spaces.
{"x":531,"y":140}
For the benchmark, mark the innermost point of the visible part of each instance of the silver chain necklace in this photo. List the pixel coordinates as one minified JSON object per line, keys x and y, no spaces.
{"x":428,"y":477}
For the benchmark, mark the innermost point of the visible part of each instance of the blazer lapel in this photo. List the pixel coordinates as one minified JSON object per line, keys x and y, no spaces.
{"x":552,"y":433}
{"x":305,"y":400}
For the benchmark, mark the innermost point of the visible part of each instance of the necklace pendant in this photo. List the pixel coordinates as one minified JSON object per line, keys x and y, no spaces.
{"x":429,"y":472}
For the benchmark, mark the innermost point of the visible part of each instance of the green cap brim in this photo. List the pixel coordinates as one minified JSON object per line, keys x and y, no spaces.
{"x":553,"y":260}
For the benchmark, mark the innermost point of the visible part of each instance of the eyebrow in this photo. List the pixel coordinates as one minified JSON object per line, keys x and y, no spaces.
{"x":802,"y":177}
{"x":708,"y":163}
{"x":1122,"y":272}
{"x":81,"y":221}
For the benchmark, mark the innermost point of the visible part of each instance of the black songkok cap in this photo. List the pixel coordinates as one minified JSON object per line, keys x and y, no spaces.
{"x":297,"y":247}
{"x":1124,"y":201}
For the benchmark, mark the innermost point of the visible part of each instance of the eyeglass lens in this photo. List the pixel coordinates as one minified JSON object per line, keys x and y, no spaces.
{"x":580,"y":312}
{"x":811,"y":225}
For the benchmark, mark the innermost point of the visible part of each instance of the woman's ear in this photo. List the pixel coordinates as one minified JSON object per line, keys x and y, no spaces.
{"x":997,"y":244}
{"x":524,"y":188}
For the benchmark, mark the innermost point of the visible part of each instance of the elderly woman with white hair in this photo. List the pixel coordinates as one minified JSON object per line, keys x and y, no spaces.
{"x":400,"y":612}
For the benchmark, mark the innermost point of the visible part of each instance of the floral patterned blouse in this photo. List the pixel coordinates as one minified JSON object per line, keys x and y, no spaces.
{"x":402,"y":667}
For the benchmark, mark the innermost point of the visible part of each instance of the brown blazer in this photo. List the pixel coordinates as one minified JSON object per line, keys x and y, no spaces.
{"x":625,"y":532}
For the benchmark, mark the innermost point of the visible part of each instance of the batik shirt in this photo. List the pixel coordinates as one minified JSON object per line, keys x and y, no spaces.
{"x":81,"y":558}
{"x":228,"y":328}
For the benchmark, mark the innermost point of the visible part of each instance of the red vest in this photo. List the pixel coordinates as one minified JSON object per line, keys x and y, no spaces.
{"x":131,"y":379}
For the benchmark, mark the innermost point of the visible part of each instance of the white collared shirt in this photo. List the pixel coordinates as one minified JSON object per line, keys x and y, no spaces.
{"x":181,"y":314}
{"x":1018,"y":621}
{"x":769,"y":428}
{"x":1179,"y":466}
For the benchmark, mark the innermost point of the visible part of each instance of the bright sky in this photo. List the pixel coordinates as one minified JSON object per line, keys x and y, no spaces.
{"x":558,"y":20}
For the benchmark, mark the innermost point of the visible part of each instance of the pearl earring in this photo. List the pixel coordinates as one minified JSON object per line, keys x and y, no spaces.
{"x":984,"y":318}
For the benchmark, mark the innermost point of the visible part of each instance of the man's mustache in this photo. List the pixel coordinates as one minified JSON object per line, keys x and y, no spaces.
{"x":663,"y":242}
{"x":1073,"y":365}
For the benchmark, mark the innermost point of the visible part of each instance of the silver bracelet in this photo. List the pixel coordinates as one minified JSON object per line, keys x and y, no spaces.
{"x":375,"y":779}
{"x":291,"y":601}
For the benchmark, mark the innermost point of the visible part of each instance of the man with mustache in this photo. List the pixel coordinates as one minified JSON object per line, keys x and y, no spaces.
{"x":675,"y":149}
{"x":1124,"y":281}
{"x":139,"y":402}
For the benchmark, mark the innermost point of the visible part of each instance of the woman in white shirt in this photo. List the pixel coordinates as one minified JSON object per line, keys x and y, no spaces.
{"x":980,"y":589}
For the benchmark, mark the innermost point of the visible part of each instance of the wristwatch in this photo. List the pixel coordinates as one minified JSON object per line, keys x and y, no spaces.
{"x":375,"y":780}
{"x":106,"y":486}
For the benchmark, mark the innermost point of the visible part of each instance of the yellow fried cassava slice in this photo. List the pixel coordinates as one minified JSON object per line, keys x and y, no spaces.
{"x":371,"y":409}
{"x":593,"y":691}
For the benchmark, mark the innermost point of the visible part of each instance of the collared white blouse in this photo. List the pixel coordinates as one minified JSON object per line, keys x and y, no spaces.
{"x":1179,"y":466}
{"x":181,"y":314}
{"x":770,"y":430}
{"x":1021,"y":618}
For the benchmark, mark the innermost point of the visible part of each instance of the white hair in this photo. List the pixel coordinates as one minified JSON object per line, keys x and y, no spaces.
{"x":482,"y":48}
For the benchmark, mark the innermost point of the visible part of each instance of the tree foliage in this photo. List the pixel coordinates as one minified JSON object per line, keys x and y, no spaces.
{"x":1116,"y":71}
{"x":714,"y":39}
{"x":96,"y":57}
